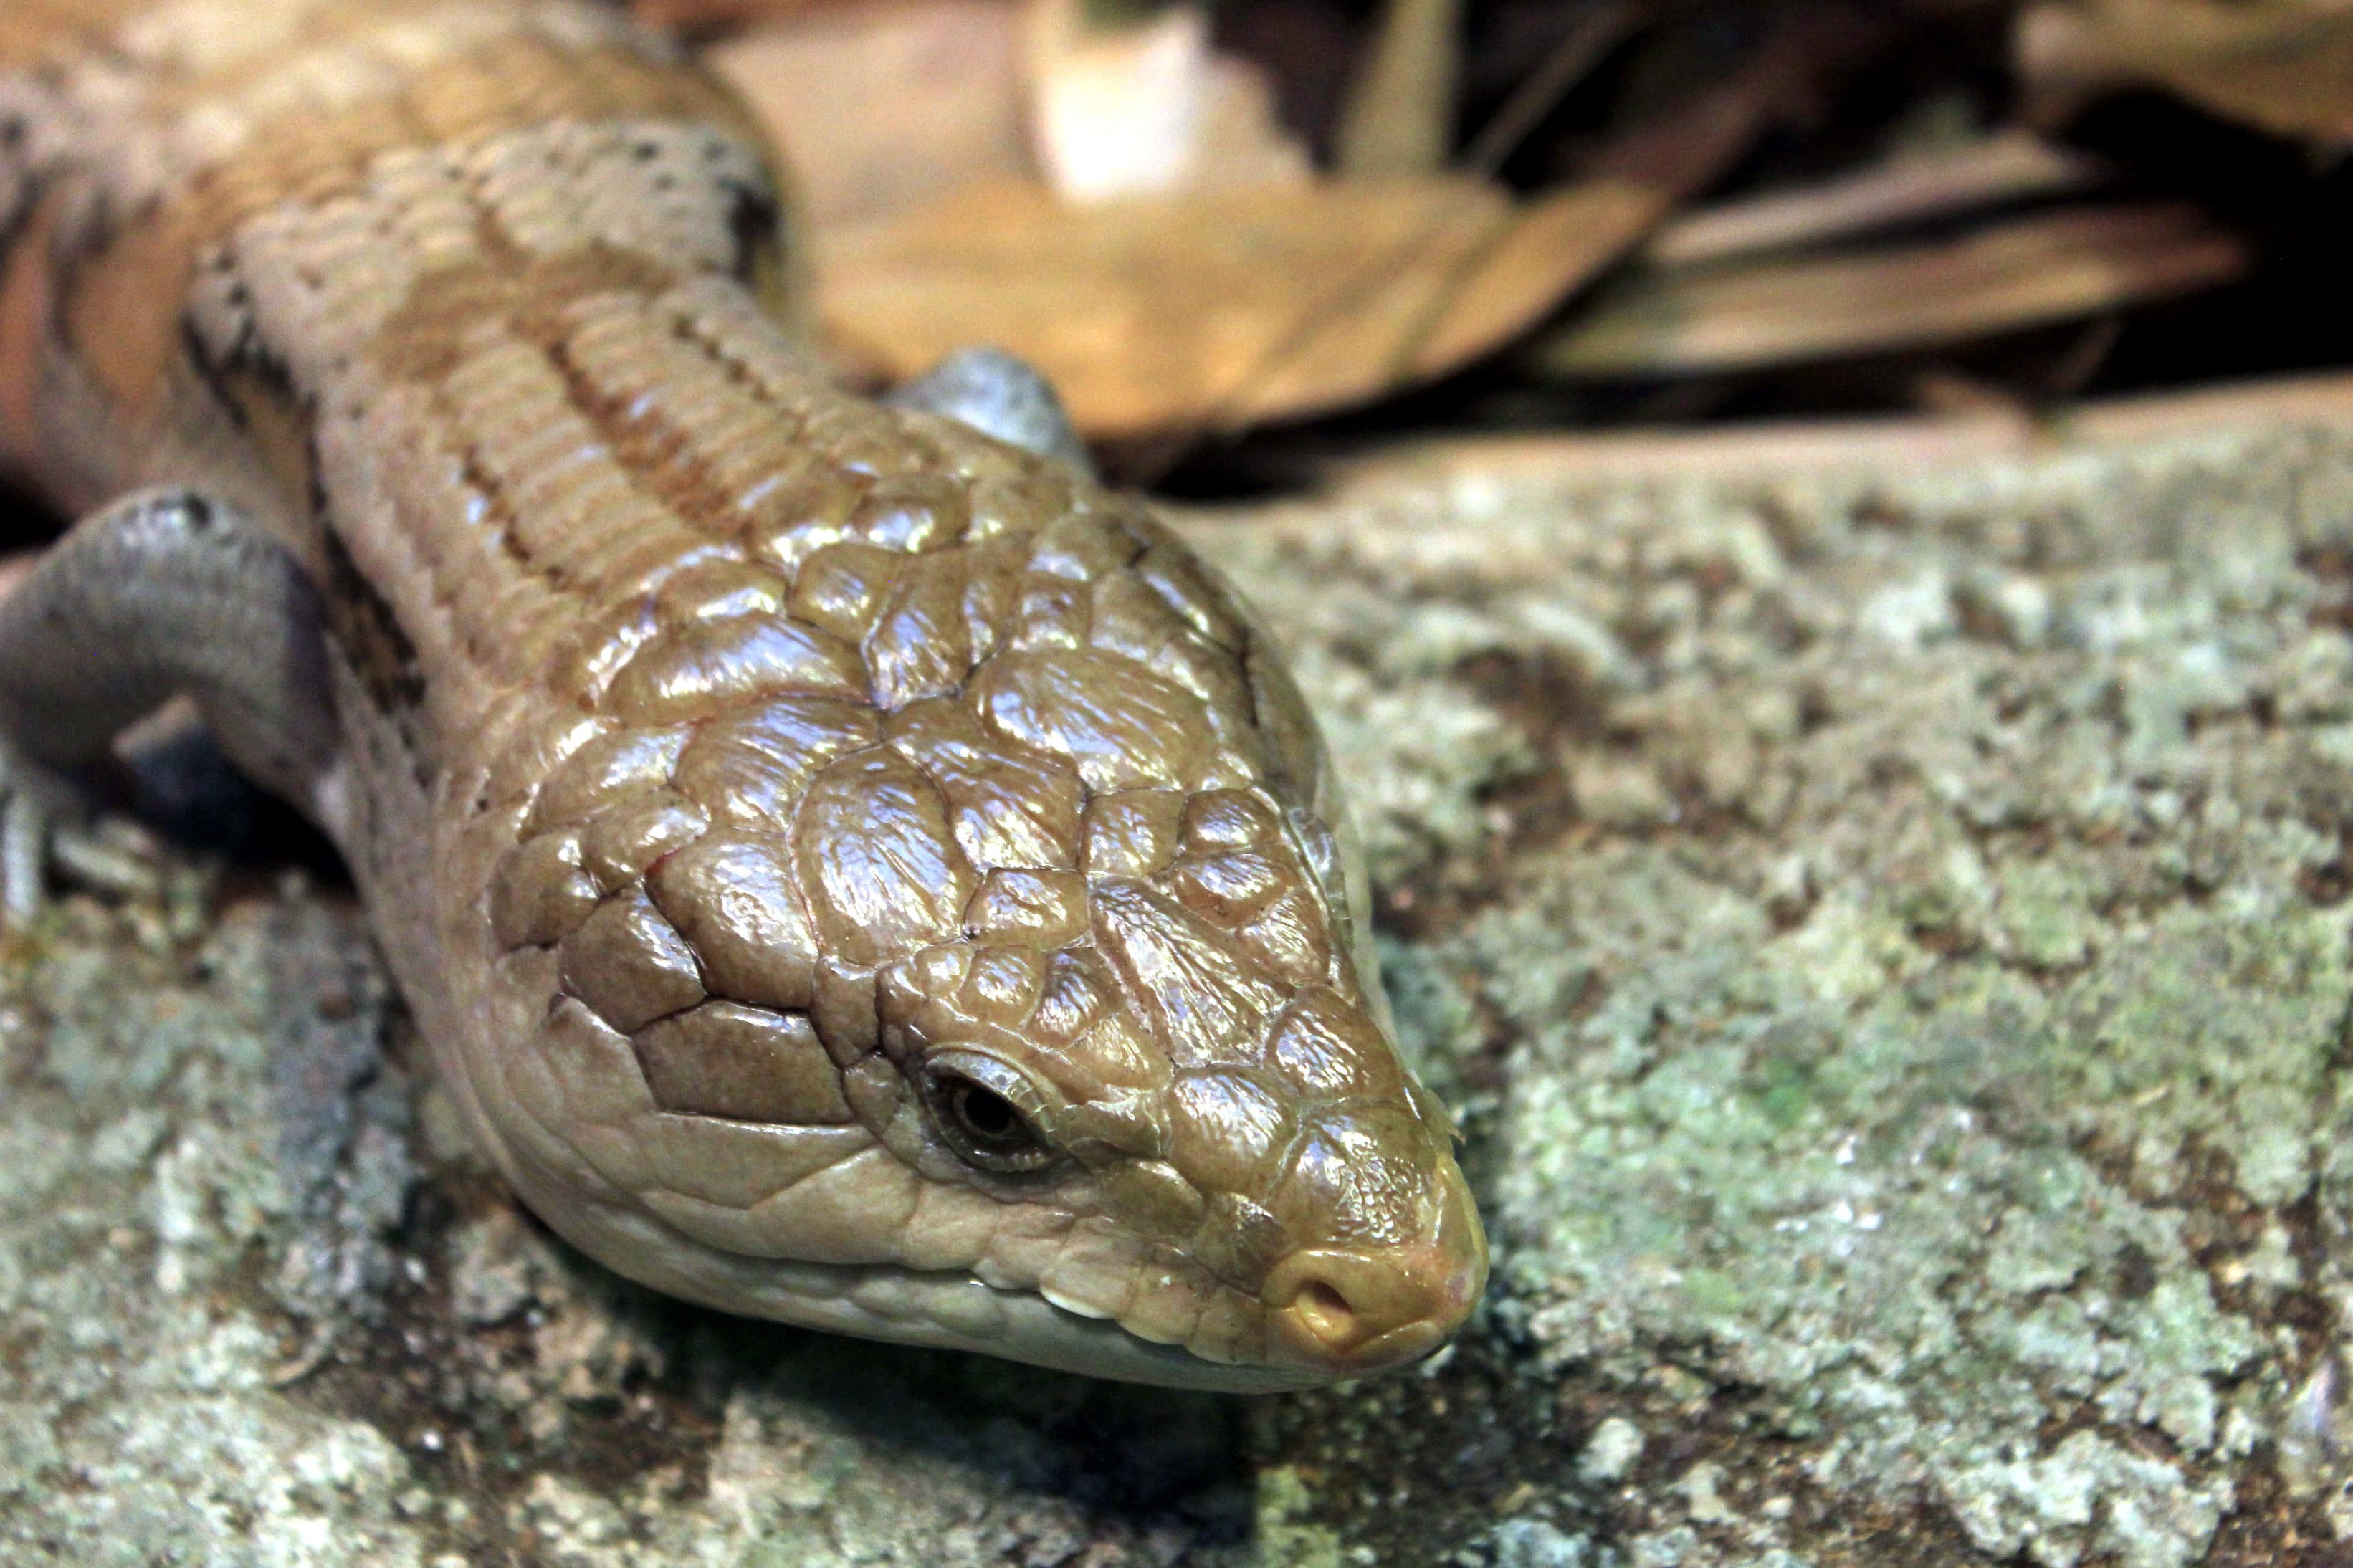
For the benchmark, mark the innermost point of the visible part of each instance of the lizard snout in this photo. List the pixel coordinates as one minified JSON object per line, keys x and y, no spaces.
{"x":1359,"y":1310}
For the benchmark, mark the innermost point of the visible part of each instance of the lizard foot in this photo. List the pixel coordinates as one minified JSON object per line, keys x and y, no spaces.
{"x":998,"y":396}
{"x":163,"y":594}
{"x":39,"y":809}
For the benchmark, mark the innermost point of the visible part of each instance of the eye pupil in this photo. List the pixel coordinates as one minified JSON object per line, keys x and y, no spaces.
{"x":987,"y":1115}
{"x":983,"y":1126}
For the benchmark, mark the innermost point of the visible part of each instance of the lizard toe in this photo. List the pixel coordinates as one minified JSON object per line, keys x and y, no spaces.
{"x":36,"y":807}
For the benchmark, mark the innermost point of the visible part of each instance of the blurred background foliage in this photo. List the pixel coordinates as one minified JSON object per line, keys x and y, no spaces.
{"x":1237,"y":234}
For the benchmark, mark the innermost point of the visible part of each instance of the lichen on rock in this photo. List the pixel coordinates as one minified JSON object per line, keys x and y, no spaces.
{"x":1886,"y":934}
{"x":1920,"y":1087}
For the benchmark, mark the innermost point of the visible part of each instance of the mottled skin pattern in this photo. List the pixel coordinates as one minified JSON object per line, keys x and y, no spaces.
{"x":849,"y":870}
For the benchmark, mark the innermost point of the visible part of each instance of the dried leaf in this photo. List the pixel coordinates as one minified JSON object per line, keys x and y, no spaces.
{"x":1148,"y":106}
{"x":1164,"y":313}
{"x":2026,"y":272}
{"x":2282,"y":66}
{"x":2006,"y":167}
{"x":883,"y":107}
{"x":1216,"y":310}
{"x":1603,"y":26}
{"x":1244,"y":140}
{"x":1747,"y":449}
{"x":1400,"y":119}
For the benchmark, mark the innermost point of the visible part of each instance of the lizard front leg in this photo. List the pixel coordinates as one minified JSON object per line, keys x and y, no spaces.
{"x":162,"y":594}
{"x":998,"y":396}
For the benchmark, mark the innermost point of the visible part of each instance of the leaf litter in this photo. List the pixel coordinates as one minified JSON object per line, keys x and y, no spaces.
{"x":1163,"y":208}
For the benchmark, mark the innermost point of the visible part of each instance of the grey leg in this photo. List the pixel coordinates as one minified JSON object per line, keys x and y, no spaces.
{"x":159,"y":594}
{"x":998,"y":395}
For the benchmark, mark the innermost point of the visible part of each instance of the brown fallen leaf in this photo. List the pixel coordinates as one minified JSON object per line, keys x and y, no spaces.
{"x":1155,"y":315}
{"x":1214,"y":310}
{"x":2282,"y":66}
{"x":2024,"y":272}
{"x":1122,"y":107}
{"x":879,"y":108}
{"x":1399,"y":117}
{"x":1603,"y":26}
{"x":1885,"y":444}
{"x":2007,"y":166}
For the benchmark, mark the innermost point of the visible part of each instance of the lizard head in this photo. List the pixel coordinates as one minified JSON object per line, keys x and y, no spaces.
{"x":1175,"y":1138}
{"x":956,"y":947}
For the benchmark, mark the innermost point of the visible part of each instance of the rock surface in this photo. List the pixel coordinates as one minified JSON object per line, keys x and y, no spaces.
{"x":1887,"y":933}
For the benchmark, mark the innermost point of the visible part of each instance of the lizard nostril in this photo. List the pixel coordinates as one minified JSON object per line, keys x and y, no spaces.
{"x":1326,"y":1313}
{"x":1340,"y":1303}
{"x":1354,"y":1309}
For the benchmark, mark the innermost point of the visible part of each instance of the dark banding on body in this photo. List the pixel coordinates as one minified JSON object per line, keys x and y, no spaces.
{"x":123,"y":276}
{"x":378,"y":651}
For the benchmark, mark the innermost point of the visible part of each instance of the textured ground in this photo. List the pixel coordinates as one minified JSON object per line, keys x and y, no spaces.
{"x":1888,"y":931}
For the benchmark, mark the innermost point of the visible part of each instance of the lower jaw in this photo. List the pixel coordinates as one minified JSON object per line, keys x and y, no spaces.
{"x":884,"y":1302}
{"x":954,"y":1312}
{"x":1028,"y":1328}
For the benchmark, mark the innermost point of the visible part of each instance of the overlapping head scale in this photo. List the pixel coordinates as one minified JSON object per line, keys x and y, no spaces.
{"x":954,"y":942}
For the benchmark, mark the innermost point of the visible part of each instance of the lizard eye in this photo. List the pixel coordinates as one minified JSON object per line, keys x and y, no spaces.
{"x":981,"y":1120}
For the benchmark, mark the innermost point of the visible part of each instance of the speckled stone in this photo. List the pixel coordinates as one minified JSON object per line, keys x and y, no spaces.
{"x":1887,"y":934}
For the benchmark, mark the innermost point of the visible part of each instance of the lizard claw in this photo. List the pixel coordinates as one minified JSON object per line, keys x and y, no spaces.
{"x":35,"y":806}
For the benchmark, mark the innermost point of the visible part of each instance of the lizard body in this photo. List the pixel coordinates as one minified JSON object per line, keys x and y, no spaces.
{"x":848,"y":868}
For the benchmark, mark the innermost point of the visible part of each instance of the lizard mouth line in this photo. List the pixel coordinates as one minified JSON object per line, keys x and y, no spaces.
{"x":954,"y":1310}
{"x":951,"y":1310}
